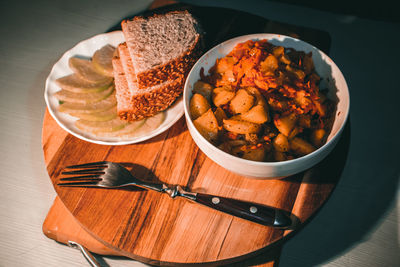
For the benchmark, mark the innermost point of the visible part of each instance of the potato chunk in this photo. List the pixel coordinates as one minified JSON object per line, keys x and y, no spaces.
{"x":300,"y":146}
{"x":285,"y":59}
{"x":205,"y":89}
{"x":281,"y":143}
{"x":207,"y":125}
{"x":220,"y":115}
{"x":198,"y":106}
{"x":241,"y":127}
{"x":256,"y":154}
{"x":305,"y":121}
{"x":286,"y":124}
{"x":301,"y":99}
{"x":278,"y":51}
{"x":317,"y":137}
{"x":257,"y":114}
{"x":222,"y":96}
{"x":260,"y":100}
{"x":242,"y":102}
{"x":270,"y":64}
{"x":225,"y":64}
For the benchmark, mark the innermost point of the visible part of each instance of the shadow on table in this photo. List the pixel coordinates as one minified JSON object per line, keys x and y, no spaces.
{"x":366,"y":191}
{"x":221,"y":24}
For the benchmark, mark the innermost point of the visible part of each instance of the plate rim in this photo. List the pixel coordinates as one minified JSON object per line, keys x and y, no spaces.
{"x":178,"y":104}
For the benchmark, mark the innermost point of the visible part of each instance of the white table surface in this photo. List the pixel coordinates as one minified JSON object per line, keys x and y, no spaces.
{"x":358,"y":226}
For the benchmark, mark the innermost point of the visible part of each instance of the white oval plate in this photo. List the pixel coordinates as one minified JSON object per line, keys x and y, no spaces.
{"x":87,"y":48}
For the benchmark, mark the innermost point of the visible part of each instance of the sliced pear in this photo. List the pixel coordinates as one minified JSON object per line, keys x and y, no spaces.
{"x":85,"y":70}
{"x":136,"y":128}
{"x":102,"y":60}
{"x":150,"y":124}
{"x":97,"y":116}
{"x":77,"y":85}
{"x":83,"y":98}
{"x":128,"y":131}
{"x":99,"y":106}
{"x":101,"y":126}
{"x":131,"y":129}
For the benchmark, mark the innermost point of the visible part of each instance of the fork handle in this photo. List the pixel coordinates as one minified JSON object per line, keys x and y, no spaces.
{"x":86,"y":253}
{"x":250,"y":211}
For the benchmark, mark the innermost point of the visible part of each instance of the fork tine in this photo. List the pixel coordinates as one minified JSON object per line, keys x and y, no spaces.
{"x":86,"y":171}
{"x":81,"y":177}
{"x":81,"y":184}
{"x":89,"y":165}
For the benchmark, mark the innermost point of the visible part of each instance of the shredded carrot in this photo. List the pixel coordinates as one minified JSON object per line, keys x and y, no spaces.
{"x":232,"y":136}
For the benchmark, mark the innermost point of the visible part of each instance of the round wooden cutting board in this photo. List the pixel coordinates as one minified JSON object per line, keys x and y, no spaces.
{"x":153,"y":228}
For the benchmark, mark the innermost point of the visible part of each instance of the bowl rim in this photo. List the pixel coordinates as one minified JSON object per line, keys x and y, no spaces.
{"x":260,"y":36}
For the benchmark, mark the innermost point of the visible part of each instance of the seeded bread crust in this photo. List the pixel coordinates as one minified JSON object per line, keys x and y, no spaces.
{"x":150,"y":103}
{"x":143,"y":104}
{"x":170,"y":70}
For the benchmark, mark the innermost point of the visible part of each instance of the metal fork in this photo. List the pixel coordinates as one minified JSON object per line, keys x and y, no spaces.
{"x":86,"y":253}
{"x":107,"y":174}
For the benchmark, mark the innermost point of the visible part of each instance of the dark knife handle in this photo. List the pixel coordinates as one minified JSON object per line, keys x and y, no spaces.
{"x":250,"y":211}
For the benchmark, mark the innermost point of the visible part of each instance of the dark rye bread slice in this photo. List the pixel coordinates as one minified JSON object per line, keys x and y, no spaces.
{"x":162,"y":47}
{"x":136,"y":105}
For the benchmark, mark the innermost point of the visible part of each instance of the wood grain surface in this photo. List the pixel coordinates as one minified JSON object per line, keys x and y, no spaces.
{"x":155,"y":229}
{"x":61,"y":226}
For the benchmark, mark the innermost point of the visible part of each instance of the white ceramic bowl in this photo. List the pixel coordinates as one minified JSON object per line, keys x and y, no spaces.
{"x":332,"y":79}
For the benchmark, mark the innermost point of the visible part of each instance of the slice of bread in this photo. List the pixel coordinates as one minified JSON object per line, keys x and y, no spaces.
{"x":135,"y":104}
{"x":127,"y":67}
{"x":162,"y":47}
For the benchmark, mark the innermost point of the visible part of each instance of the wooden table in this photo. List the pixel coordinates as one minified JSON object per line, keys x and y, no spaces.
{"x":356,"y":227}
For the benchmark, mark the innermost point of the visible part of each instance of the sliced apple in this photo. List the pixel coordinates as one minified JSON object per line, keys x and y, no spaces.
{"x":97,"y":116}
{"x":99,"y":106}
{"x":101,"y":126}
{"x":102,"y":60}
{"x":75,"y":84}
{"x":85,"y":70}
{"x":83,"y":98}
